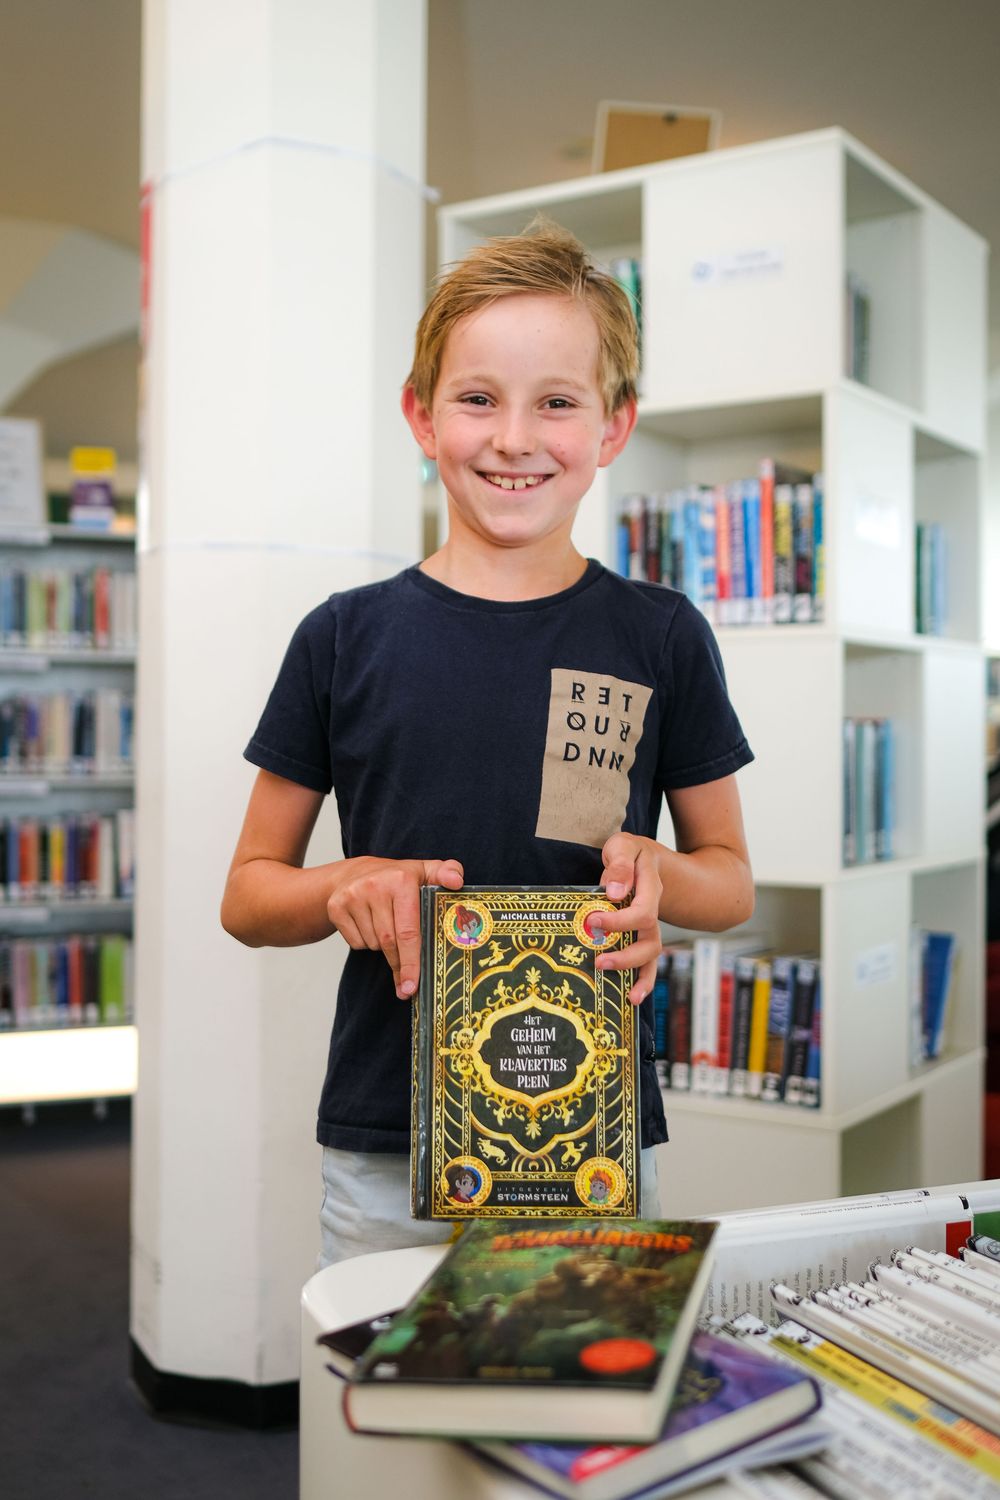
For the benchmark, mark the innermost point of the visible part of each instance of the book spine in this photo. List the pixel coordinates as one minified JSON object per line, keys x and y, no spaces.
{"x":818,"y":551}
{"x":708,"y":582}
{"x":767,"y":540}
{"x":723,"y":559}
{"x":802,"y":535}
{"x":724,"y":1051}
{"x":743,"y":987}
{"x":800,"y":1029}
{"x":739,"y":608}
{"x":778,"y":1021}
{"x":653,"y":541}
{"x":866,"y":790}
{"x":784,"y":555}
{"x":850,"y":794}
{"x":758,"y":1027}
{"x":681,"y":980}
{"x":884,"y":788}
{"x":422,"y":1092}
{"x":812,"y":1096}
{"x":704,"y":1013}
{"x":752,"y":544}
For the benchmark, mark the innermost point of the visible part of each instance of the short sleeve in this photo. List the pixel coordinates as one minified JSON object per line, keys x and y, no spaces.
{"x":702,"y":739}
{"x":293,"y":736}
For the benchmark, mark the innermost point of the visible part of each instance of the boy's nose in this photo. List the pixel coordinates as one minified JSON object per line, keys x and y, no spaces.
{"x":514,"y":434}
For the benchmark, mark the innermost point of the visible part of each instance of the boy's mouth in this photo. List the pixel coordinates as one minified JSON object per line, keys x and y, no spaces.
{"x":515,"y":482}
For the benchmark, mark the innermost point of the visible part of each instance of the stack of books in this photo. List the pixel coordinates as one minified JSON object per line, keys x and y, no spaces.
{"x":66,"y":733}
{"x":72,"y":981}
{"x":569,"y":1356}
{"x":77,"y":856}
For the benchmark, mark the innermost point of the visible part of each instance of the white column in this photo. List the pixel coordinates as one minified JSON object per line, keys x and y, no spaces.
{"x":282,"y":165}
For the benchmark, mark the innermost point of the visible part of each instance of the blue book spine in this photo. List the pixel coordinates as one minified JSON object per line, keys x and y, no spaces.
{"x":811,"y":1087}
{"x":708,"y":582}
{"x":661,"y":1020}
{"x":818,"y":556}
{"x":751,"y":545}
{"x":692,"y":546}
{"x":622,"y":532}
{"x":938,"y":963}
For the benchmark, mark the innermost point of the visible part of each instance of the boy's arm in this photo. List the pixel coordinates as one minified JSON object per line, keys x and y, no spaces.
{"x":272,"y":900}
{"x":705,"y":885}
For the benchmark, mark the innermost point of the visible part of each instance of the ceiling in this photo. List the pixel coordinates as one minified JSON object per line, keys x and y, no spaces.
{"x":512,"y":93}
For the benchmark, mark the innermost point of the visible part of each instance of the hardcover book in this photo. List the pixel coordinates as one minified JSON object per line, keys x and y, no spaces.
{"x":569,"y":1331}
{"x":728,"y":1400}
{"x":525,"y":1095}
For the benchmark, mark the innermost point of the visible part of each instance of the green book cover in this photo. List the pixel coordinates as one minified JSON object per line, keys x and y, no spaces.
{"x":527,"y":1328}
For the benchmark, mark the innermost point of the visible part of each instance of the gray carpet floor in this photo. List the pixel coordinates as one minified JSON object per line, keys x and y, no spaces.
{"x":72,"y":1425}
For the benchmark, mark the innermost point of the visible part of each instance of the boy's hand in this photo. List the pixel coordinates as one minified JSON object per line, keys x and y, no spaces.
{"x":375,"y":903}
{"x":630,"y":864}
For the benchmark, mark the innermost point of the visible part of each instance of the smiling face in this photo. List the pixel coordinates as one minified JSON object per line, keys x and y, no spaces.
{"x":517,"y":423}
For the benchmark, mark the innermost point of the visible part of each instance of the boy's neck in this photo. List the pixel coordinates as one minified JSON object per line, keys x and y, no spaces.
{"x":508,"y":576}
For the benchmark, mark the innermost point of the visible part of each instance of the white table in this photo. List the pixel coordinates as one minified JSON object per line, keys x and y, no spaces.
{"x":337,"y":1464}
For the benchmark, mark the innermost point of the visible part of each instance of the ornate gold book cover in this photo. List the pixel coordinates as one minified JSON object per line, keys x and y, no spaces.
{"x":525,"y":1059}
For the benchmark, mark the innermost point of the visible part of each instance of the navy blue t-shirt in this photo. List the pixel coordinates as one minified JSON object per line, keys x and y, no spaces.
{"x":514,"y":737}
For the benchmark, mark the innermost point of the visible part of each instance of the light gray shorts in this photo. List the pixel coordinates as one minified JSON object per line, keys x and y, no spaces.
{"x":366,"y":1205}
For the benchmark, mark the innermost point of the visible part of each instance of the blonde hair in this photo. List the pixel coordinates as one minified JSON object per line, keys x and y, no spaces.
{"x":545,"y":260}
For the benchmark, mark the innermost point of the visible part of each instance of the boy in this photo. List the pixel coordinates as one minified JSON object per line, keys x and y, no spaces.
{"x":505,"y":712}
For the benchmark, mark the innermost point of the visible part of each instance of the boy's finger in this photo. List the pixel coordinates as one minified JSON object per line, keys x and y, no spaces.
{"x":618,"y":878}
{"x":447,"y":872}
{"x":406,"y":922}
{"x":643,"y":984}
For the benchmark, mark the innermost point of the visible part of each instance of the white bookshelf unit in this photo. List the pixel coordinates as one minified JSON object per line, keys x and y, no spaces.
{"x":745,"y":257}
{"x":47,"y":1059}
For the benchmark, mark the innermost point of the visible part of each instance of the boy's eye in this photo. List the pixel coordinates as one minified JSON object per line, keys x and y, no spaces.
{"x":476,"y":399}
{"x":559,"y":403}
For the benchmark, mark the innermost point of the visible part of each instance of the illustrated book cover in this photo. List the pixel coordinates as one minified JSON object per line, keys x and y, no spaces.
{"x":567,"y":1331}
{"x":525,"y":1059}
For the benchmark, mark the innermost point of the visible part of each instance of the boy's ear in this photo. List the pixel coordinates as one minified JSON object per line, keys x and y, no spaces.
{"x":617,"y":431}
{"x":420,"y":420}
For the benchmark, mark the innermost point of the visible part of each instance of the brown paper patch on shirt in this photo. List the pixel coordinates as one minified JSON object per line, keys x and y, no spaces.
{"x":595,"y":724}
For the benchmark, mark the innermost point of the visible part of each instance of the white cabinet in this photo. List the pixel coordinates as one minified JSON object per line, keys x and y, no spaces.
{"x":746,"y":255}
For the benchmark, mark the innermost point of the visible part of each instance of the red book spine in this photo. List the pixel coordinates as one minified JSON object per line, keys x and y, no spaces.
{"x":767,"y":538}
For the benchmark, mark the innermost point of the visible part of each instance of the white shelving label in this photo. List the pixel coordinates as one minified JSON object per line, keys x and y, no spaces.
{"x":876,"y":966}
{"x":737,"y":267}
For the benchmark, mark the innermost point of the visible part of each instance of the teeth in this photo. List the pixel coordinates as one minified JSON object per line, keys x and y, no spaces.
{"x":527,"y":482}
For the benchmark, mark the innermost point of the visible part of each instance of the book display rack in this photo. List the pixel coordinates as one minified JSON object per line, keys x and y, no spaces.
{"x":750,"y":260}
{"x":67,"y":669}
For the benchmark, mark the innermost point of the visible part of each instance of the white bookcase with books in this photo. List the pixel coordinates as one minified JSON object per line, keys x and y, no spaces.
{"x":67,"y":670}
{"x":749,"y":260}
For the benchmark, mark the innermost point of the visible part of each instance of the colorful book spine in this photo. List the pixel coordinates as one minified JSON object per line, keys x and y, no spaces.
{"x":681,"y":983}
{"x":802,"y":541}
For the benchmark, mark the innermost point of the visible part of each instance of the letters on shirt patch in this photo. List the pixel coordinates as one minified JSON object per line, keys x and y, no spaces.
{"x":595,"y":724}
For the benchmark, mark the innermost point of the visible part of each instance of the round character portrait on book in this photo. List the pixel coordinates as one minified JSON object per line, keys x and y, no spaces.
{"x":468,"y":924}
{"x":600,"y":1183}
{"x":466,"y":1181}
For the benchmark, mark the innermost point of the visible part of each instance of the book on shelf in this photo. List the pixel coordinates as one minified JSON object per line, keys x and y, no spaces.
{"x":72,"y":981}
{"x":932,"y":977}
{"x":857,"y":329}
{"x":59,"y":608}
{"x":710,"y":953}
{"x":731,"y":1407}
{"x":869,"y":750}
{"x":806,"y":983}
{"x":72,"y":856}
{"x":931,"y":578}
{"x":563,"y":1331}
{"x":682,"y":998}
{"x":747,"y":552}
{"x":525,"y":1068}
